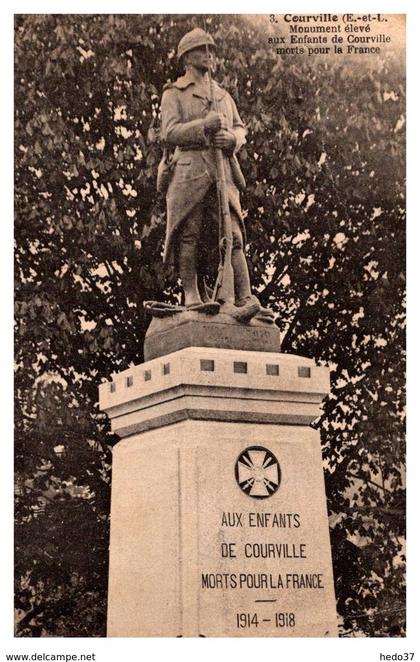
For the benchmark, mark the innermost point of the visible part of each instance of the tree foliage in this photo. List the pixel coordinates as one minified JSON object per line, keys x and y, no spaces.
{"x":325,"y":221}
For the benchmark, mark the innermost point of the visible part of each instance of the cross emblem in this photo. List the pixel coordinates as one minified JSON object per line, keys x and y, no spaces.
{"x":257,"y":472}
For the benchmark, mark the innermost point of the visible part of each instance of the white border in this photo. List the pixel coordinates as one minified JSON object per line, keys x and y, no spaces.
{"x":240,"y":649}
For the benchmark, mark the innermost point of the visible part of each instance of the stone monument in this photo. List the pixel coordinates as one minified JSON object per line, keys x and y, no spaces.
{"x":218,"y":513}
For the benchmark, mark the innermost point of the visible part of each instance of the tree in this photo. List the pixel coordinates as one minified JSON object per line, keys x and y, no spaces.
{"x":325,"y":221}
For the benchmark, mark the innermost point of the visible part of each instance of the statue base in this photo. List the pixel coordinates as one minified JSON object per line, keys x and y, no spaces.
{"x":194,"y":329}
{"x":219,"y":525}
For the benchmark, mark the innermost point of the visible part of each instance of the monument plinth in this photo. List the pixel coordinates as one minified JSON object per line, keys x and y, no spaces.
{"x":191,"y":328}
{"x":218,"y":518}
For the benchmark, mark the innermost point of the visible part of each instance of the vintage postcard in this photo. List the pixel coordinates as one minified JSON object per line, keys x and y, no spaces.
{"x":210,"y":325}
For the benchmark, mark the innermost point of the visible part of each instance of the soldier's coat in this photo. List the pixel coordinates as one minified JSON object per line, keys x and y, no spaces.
{"x":184,"y":107}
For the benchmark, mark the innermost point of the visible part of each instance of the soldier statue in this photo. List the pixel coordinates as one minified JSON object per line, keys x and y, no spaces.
{"x":200,"y":122}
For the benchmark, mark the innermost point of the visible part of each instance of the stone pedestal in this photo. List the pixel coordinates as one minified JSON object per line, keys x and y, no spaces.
{"x":222,"y":331}
{"x":218,"y":520}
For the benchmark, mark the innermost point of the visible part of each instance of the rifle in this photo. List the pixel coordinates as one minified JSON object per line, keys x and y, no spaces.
{"x":224,"y":290}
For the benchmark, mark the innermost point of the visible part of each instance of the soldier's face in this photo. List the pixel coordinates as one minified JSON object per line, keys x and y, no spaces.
{"x":200,"y":58}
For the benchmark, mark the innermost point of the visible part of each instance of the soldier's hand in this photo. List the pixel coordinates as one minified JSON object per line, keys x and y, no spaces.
{"x":213,"y":122}
{"x":224,"y":140}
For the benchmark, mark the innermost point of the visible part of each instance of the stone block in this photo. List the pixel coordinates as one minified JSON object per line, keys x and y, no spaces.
{"x":218,"y":519}
{"x":192,"y":329}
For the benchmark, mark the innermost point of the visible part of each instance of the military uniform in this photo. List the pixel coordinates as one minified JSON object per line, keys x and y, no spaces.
{"x":196,"y":121}
{"x":184,"y":107}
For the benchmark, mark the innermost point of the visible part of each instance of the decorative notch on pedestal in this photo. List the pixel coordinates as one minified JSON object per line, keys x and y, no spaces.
{"x":166,"y":369}
{"x":207,"y":365}
{"x":304,"y":371}
{"x":240,"y":367}
{"x":147,"y":375}
{"x":272,"y":369}
{"x":129,"y":381}
{"x":112,"y":387}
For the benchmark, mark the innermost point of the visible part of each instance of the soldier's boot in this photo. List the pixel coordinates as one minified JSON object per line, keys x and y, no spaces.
{"x":248,"y":304}
{"x":188,"y":274}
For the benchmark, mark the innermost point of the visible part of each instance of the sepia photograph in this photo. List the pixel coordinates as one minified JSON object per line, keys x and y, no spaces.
{"x":209,"y":268}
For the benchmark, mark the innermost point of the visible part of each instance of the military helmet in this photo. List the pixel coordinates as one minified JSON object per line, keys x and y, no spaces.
{"x":194,"y":39}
